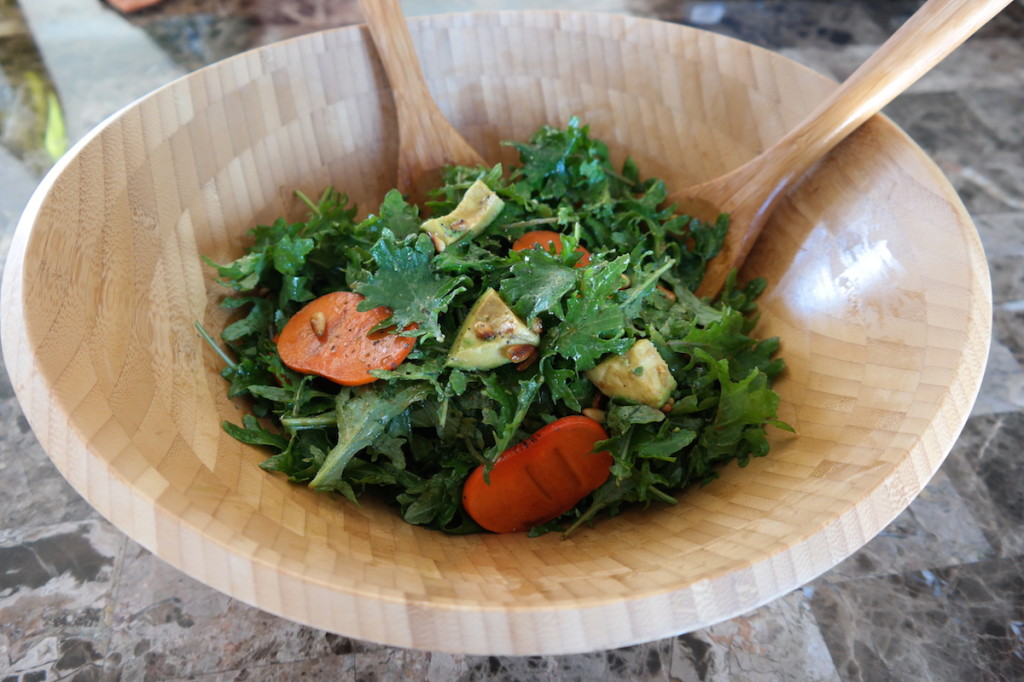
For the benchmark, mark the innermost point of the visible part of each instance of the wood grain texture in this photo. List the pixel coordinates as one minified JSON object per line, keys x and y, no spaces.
{"x":427,"y":142}
{"x":879,"y":290}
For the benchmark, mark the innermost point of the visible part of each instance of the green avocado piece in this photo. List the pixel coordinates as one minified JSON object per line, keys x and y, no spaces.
{"x":639,"y":375}
{"x":477,"y":209}
{"x":490,"y":329}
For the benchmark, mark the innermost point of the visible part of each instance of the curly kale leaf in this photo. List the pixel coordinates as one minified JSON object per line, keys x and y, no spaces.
{"x":745,"y":407}
{"x":539,"y":281}
{"x":407,"y":282}
{"x":402,"y":218}
{"x":594,"y":325}
{"x":361,"y":415}
{"x":557,"y":162}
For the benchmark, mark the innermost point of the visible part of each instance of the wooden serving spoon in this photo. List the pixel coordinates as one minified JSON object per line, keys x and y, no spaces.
{"x":426,"y":140}
{"x":750,"y":192}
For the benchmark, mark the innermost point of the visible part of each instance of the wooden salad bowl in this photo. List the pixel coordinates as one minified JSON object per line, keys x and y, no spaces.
{"x":878,"y":288}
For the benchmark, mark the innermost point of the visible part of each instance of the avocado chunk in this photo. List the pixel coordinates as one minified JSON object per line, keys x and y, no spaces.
{"x":477,"y":209}
{"x":491,"y":335}
{"x":639,"y":375}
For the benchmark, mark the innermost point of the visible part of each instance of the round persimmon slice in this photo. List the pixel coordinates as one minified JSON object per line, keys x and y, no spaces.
{"x":330,"y":338}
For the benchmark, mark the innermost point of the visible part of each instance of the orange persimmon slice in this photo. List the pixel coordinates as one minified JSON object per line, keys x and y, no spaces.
{"x":330,"y":338}
{"x":547,"y":239}
{"x":539,"y":479}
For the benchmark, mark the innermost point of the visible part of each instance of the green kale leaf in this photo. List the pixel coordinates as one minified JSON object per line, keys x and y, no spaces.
{"x":361,"y":415}
{"x":407,"y":282}
{"x":538,"y":283}
{"x":594,"y":326}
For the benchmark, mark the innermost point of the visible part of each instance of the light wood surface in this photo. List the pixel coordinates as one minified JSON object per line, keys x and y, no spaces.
{"x":749,"y":193}
{"x":427,"y":142}
{"x":879,"y":290}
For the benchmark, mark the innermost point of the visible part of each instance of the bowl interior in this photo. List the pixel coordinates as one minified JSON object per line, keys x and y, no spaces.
{"x":878,"y":289}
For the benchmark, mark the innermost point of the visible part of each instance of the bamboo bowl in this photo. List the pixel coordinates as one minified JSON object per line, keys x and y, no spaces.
{"x":879,"y":290}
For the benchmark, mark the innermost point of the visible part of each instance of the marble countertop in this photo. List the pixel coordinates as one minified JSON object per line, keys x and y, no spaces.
{"x":938,"y":595}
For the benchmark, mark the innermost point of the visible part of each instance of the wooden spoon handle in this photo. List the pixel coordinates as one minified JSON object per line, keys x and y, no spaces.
{"x":426,"y":140}
{"x":933,"y":32}
{"x":751,"y":191}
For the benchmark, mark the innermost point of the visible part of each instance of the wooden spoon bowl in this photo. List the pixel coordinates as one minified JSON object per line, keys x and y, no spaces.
{"x":749,"y":193}
{"x":878,"y":288}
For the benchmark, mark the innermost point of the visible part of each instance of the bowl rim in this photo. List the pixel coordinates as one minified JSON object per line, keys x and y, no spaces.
{"x":777,"y":572}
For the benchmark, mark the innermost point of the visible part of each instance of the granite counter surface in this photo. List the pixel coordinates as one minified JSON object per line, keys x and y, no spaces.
{"x":939,"y":595}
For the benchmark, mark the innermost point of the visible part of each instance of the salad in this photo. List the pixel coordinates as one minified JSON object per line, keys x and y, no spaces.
{"x":529,"y":358}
